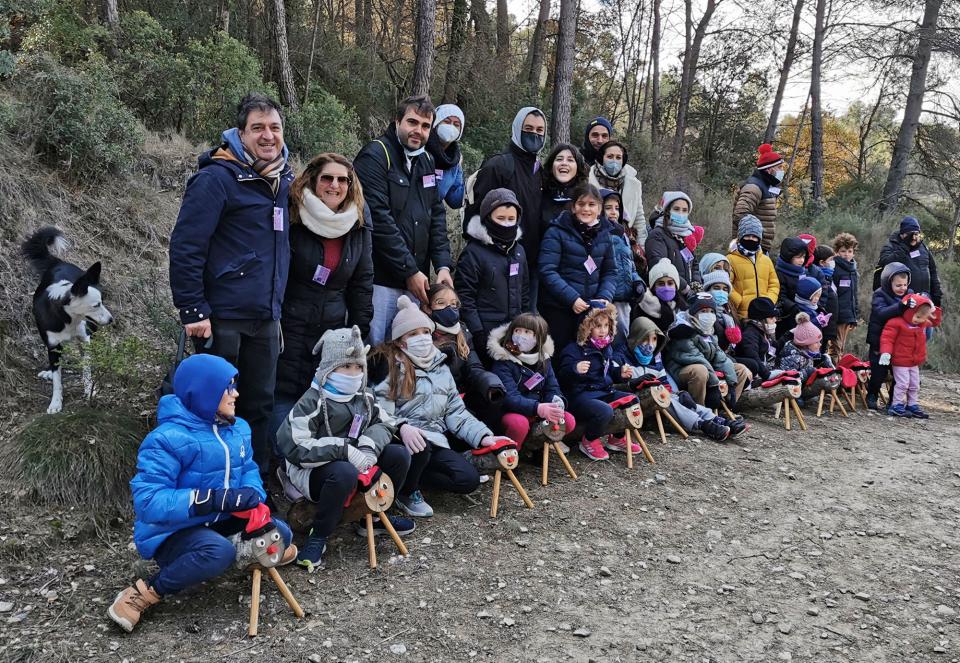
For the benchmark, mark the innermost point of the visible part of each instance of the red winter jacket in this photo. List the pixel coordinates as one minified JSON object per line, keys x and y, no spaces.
{"x":905,"y":342}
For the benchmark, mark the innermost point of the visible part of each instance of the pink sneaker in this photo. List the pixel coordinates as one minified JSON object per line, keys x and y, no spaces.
{"x":593,"y":449}
{"x":615,"y":443}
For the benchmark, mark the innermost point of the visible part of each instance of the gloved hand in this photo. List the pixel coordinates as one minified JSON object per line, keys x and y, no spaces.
{"x":412,"y":438}
{"x":491,"y":440}
{"x":885,"y":359}
{"x":205,"y":501}
{"x":495,"y":395}
{"x":639,"y":287}
{"x":551,"y":412}
{"x":733,"y":334}
{"x":713,"y":398}
{"x":824,"y":318}
{"x":362,"y":458}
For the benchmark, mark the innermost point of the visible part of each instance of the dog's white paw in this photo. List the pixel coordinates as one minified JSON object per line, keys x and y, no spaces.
{"x":45,"y":375}
{"x":55,"y":407}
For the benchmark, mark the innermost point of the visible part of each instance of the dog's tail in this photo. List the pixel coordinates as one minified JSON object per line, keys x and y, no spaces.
{"x":44,"y":247}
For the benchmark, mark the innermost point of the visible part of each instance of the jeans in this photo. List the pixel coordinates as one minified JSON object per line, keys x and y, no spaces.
{"x":333,"y":483}
{"x":253,"y":347}
{"x":907,"y":385}
{"x":594,"y":413}
{"x":688,"y":412}
{"x":197,"y":554}
{"x":441,"y":469}
{"x":384,"y":310}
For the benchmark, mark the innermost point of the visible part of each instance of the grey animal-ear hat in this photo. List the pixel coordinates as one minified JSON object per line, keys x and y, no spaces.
{"x":339,"y":347}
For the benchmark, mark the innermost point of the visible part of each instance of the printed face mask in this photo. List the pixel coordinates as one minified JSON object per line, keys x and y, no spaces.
{"x":721,"y":297}
{"x":448,"y":316}
{"x":342,"y":383}
{"x":447,"y":133}
{"x":612,"y":167}
{"x":665,"y":293}
{"x":531,"y":142}
{"x":420,"y":345}
{"x":601,"y":343}
{"x":642,"y":355}
{"x":524,"y":342}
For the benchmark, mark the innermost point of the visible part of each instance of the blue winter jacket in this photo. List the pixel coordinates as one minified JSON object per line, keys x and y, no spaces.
{"x":451,"y":186}
{"x":524,"y":390}
{"x":187,"y":451}
{"x":227,"y":260}
{"x":885,"y":305}
{"x":604,"y":369}
{"x":626,"y":272}
{"x":565,"y":273}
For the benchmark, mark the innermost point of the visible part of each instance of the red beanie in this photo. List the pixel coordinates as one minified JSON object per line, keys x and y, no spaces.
{"x":811,"y":243}
{"x":768,"y":157}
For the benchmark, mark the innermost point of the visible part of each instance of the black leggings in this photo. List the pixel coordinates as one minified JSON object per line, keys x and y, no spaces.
{"x":878,"y":374}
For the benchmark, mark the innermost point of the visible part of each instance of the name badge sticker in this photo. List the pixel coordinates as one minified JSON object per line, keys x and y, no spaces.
{"x":775,"y":190}
{"x":590,"y":265}
{"x":687,"y":255}
{"x":278,"y":219}
{"x":915,"y":254}
{"x":514,"y":268}
{"x":355,"y":426}
{"x":321,"y":275}
{"x":533,"y":381}
{"x":846,"y":283}
{"x":429,"y":181}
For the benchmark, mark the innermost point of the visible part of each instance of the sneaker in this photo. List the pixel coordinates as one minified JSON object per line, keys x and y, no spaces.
{"x":403,"y":526}
{"x":131,"y":603}
{"x":917,"y":412}
{"x":614,"y":443}
{"x":289,"y":555}
{"x":872,"y":402}
{"x":736,"y":426}
{"x":593,"y":449}
{"x":414,"y":505}
{"x":898,"y":410}
{"x":713,"y":430}
{"x":311,"y":557}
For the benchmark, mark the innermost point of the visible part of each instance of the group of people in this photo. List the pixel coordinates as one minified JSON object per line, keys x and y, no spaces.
{"x":324,"y":347}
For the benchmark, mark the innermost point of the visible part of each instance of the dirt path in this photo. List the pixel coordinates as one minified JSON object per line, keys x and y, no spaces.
{"x":834,"y":545}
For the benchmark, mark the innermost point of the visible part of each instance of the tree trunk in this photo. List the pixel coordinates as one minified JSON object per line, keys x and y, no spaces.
{"x":953,"y":231}
{"x":503,"y":33}
{"x":793,"y":154}
{"x":535,"y":66}
{"x":426,"y":46}
{"x":481,"y":24}
{"x":223,"y":16}
{"x":313,"y":48}
{"x":563,"y":76}
{"x":458,"y":34}
{"x":111,"y":16}
{"x":287,"y":89}
{"x":691,"y":57}
{"x":911,"y":115}
{"x":816,"y":114}
{"x":655,"y":77}
{"x":784,"y":74}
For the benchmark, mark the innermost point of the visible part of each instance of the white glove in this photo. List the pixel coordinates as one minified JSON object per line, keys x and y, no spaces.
{"x":885,"y":359}
{"x":362,"y":459}
{"x":412,"y":439}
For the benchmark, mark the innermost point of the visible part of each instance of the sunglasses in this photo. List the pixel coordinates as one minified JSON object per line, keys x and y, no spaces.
{"x":339,"y":179}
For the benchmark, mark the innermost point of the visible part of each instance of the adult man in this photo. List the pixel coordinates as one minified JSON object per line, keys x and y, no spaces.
{"x":758,"y":195}
{"x":598,"y":131}
{"x":230,"y":253}
{"x":518,"y":169}
{"x":906,"y":245}
{"x":409,"y":220}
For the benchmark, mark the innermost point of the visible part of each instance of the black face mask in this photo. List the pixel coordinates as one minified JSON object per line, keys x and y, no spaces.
{"x":501,"y":235}
{"x":750,"y":244}
{"x":446,"y":317}
{"x":531,"y":142}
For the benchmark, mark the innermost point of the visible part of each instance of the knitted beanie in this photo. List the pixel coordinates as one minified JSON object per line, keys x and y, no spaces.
{"x":709,"y":261}
{"x":663,"y":268}
{"x":807,"y":287}
{"x":749,"y":225}
{"x":768,"y":157}
{"x":718,"y":276}
{"x":909,"y":225}
{"x":761,"y":308}
{"x":701,"y":301}
{"x":338,"y":347}
{"x":444,"y":111}
{"x":806,"y":333}
{"x":409,"y":317}
{"x":498,"y":198}
{"x":669,"y":197}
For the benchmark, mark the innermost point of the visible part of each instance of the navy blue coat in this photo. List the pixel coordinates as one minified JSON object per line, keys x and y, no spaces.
{"x":515,"y":375}
{"x":603,"y":372}
{"x":847,"y":280}
{"x":885,"y":305}
{"x":923,"y":268}
{"x":226,"y":259}
{"x":564,"y":276}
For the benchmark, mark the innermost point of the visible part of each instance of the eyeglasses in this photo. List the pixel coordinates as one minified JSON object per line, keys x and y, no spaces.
{"x":339,"y":179}
{"x":232,"y":387}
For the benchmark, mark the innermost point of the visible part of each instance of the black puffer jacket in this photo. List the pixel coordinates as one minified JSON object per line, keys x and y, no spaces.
{"x":755,"y":350}
{"x":310,"y":309}
{"x":847,"y":280}
{"x":923,"y":268}
{"x":661,"y":244}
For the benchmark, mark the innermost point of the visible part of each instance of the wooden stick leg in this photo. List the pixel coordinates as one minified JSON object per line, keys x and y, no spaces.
{"x":371,"y":542}
{"x":254,"y":604}
{"x":495,"y":502}
{"x":659,"y":417}
{"x":843,"y":410}
{"x":796,"y":409}
{"x":516,"y":484}
{"x":727,"y":410}
{"x":387,"y":525}
{"x":566,"y":463}
{"x":778,"y":409}
{"x":833,"y":401}
{"x":629,"y":438}
{"x":644,"y":448}
{"x":786,"y":415}
{"x":863,"y":395}
{"x":677,"y":427}
{"x":545,"y":466}
{"x":851,"y":399}
{"x":286,"y":593}
{"x":820,"y":403}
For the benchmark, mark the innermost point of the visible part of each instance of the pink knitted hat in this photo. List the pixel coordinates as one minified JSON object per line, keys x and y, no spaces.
{"x":806,"y":333}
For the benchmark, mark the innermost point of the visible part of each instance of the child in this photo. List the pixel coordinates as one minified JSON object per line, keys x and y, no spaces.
{"x":693,"y":358}
{"x":661,"y":302}
{"x":629,"y":285}
{"x":803,"y":354}
{"x":194,"y":470}
{"x":807,"y":292}
{"x":668,"y":237}
{"x":790,"y":268}
{"x":491,"y":276}
{"x":521,"y":353}
{"x":846,"y":278}
{"x":903,"y":345}
{"x":727,"y":327}
{"x":577,"y":266}
{"x":644,"y":347}
{"x":825,"y":260}
{"x":756,"y":349}
{"x":751,"y":271}
{"x":588,"y":370}
{"x":887,"y":303}
{"x":334,"y":432}
{"x":420,"y":391}
{"x":713,"y":261}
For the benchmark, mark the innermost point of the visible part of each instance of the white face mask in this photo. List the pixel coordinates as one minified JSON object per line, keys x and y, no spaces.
{"x":447,"y":133}
{"x":705,"y":322}
{"x":345,"y":384}
{"x":420,"y":345}
{"x":771,"y":328}
{"x":831,"y":264}
{"x":778,"y":175}
{"x":524,"y":342}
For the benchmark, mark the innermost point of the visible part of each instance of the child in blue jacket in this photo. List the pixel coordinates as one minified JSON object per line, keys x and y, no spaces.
{"x":629,"y":286}
{"x":886,"y":304}
{"x":194,"y":470}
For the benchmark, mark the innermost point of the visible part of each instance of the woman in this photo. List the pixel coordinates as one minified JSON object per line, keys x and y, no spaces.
{"x":444,"y":146}
{"x":563,"y":170}
{"x":613,"y":172}
{"x":331,"y":271}
{"x":670,"y":227}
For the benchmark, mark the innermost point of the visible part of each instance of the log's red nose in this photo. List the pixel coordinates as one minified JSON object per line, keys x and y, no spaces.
{"x":272,"y":550}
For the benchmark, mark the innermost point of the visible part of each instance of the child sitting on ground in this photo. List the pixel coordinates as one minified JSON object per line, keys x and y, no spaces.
{"x":661,"y":302}
{"x":802,"y":353}
{"x":903,"y":345}
{"x":629,"y":286}
{"x":521,"y":353}
{"x":751,"y":271}
{"x":334,"y":432}
{"x":887,"y":303}
{"x":588,"y":371}
{"x":756,"y":349}
{"x":420,"y":391}
{"x":194,"y":470}
{"x":846,"y":279}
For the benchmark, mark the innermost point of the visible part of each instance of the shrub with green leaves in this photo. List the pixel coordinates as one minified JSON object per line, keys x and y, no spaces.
{"x":325,"y":125}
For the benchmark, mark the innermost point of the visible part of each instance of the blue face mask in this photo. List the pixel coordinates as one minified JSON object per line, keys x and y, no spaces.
{"x":644,"y":359}
{"x":721,"y":297}
{"x":679,"y":219}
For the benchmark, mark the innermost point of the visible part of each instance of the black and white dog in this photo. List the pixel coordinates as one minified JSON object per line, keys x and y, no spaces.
{"x":65,"y":303}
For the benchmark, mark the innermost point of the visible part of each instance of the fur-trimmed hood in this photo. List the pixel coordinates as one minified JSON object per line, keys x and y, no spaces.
{"x":479,"y":232}
{"x":609,"y":312}
{"x":497,"y":352}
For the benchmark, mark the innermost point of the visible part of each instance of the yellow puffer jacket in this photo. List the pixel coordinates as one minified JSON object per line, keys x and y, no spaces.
{"x":751,"y":280}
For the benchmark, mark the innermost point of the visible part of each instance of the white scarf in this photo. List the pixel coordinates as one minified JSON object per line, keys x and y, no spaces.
{"x":425,"y":363}
{"x":321,"y":220}
{"x":449,"y":330}
{"x":529,"y":358}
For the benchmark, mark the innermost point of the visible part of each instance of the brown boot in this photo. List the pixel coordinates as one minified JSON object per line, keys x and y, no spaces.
{"x":131,"y":603}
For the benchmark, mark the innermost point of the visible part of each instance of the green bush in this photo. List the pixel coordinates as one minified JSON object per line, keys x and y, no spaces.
{"x":76,"y":120}
{"x":943,"y":351}
{"x":64,"y":33}
{"x":325,"y":125}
